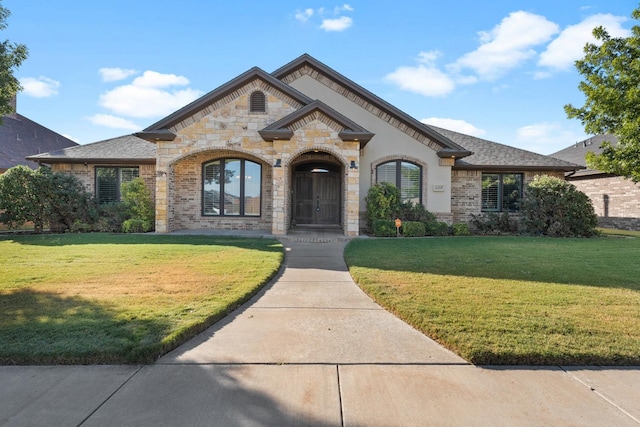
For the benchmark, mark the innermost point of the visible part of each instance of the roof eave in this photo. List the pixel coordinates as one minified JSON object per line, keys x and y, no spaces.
{"x":516,"y":167}
{"x":89,"y":160}
{"x":270,"y":135}
{"x":156,"y":135}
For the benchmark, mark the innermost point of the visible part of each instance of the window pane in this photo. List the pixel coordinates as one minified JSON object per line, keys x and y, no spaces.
{"x":106,"y":185}
{"x":128,"y":174}
{"x":252,"y":175}
{"x":490,"y":183}
{"x":410,"y":182}
{"x":387,"y":173}
{"x":211,"y":195}
{"x":233,"y":180}
{"x":511,"y":191}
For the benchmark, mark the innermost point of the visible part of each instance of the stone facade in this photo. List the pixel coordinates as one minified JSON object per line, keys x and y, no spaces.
{"x":616,"y":200}
{"x":228,"y":129}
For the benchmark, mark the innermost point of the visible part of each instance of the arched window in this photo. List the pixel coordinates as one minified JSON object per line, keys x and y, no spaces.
{"x":406,"y":176}
{"x":257,"y":102}
{"x":231,"y":187}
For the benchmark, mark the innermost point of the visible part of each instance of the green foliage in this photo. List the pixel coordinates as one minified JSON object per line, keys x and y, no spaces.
{"x":437,"y":228}
{"x":383,"y":202}
{"x":134,"y":225}
{"x":384,"y":228}
{"x":44,"y":197}
{"x":554,"y":207}
{"x":136,"y":198}
{"x":111,"y":217}
{"x":461,"y":229}
{"x":611,"y":80}
{"x":410,"y":211}
{"x":494,"y":223}
{"x":11,"y":57}
{"x":413,"y":229}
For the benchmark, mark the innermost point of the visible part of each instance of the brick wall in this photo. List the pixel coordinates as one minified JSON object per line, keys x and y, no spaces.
{"x":616,"y":200}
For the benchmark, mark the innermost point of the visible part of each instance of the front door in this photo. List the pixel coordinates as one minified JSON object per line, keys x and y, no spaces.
{"x":316,"y":197}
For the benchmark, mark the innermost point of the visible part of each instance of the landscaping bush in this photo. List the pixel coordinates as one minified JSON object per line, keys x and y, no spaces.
{"x":554,"y":207}
{"x":384,"y":228}
{"x":410,"y":211}
{"x":494,"y":223}
{"x":383,"y":202}
{"x":137,"y":200}
{"x":413,"y":229}
{"x":461,"y":229}
{"x":436,"y":228}
{"x":111,"y":217}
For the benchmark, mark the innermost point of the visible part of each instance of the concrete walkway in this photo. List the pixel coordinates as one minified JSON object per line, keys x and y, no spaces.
{"x":313,"y":349}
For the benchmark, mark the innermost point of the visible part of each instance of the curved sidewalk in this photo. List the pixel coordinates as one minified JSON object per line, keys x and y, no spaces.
{"x":312,"y":349}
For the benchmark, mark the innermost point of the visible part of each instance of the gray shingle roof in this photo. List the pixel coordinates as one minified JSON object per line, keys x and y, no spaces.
{"x":123,"y":149}
{"x":492,"y":155}
{"x":21,"y":137}
{"x":577,"y":152}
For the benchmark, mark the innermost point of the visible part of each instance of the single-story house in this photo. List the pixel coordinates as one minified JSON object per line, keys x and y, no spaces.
{"x":300,"y":146}
{"x":21,"y":137}
{"x":615,"y":199}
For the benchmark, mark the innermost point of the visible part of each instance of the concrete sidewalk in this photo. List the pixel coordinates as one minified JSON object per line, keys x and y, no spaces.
{"x":312,"y":349}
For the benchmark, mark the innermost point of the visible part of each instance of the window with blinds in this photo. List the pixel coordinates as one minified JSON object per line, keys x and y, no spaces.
{"x":406,"y":176}
{"x":257,"y":102}
{"x":109,"y":179}
{"x":231,"y":187}
{"x":501,"y":192}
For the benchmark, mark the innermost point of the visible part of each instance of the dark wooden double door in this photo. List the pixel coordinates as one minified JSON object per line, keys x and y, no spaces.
{"x":316,"y":197}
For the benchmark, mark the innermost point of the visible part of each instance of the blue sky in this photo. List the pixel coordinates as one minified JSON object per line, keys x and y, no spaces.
{"x":500,"y":70}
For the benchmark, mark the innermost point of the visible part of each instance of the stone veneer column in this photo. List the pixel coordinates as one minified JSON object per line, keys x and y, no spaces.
{"x":352,"y":222}
{"x":162,"y":223}
{"x":279,"y":192}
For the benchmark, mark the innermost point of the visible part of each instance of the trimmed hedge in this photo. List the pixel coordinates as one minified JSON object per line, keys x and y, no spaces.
{"x":413,"y":229}
{"x":384,"y":228}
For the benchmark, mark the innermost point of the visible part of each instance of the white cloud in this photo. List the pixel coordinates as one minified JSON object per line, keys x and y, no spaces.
{"x":507,"y":45}
{"x":337,"y":24}
{"x":304,"y":15}
{"x":115,"y":74}
{"x":113,"y":122}
{"x":562,"y":52}
{"x":149,"y":96}
{"x":344,"y":8}
{"x":547,"y":137}
{"x":41,"y":87}
{"x":425,"y":79}
{"x":454,"y":125}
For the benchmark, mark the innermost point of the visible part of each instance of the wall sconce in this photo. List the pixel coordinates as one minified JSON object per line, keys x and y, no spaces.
{"x":161,"y":173}
{"x":353,"y":165}
{"x":278,"y":163}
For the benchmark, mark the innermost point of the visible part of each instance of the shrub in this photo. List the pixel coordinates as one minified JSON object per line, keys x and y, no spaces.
{"x":494,"y":223}
{"x":384,"y":228}
{"x":413,"y":229}
{"x":134,"y":225}
{"x":112,"y":215}
{"x":554,"y":207}
{"x":136,"y":198}
{"x":383,"y":202}
{"x":460,"y":229}
{"x":410,"y":211}
{"x":436,"y":228}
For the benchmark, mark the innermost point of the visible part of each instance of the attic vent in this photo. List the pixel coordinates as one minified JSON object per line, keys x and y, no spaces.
{"x":257,"y":102}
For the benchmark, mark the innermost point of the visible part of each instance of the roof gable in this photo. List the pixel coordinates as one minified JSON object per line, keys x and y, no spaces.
{"x":255,"y":73}
{"x":576,"y":153}
{"x":21,"y":137}
{"x":351,"y":131}
{"x":306,"y":64}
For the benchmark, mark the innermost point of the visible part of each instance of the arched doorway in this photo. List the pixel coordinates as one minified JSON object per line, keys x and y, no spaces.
{"x":317,"y":193}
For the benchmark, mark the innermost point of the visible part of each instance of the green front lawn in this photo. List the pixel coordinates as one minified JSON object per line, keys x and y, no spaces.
{"x":100,"y":298}
{"x":511,"y":300}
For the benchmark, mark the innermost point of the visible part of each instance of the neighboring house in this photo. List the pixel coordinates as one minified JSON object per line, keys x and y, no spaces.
{"x":21,"y":137}
{"x":300,"y":146}
{"x":615,"y":199}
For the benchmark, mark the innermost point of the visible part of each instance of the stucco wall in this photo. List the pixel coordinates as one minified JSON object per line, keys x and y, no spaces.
{"x":616,"y":200}
{"x":388,"y":143}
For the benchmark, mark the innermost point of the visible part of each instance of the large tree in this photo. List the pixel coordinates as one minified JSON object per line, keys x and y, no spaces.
{"x":611,"y":72}
{"x":11,"y":57}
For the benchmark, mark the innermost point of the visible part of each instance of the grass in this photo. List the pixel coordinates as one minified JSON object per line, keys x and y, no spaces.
{"x":511,"y":300}
{"x":100,"y":298}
